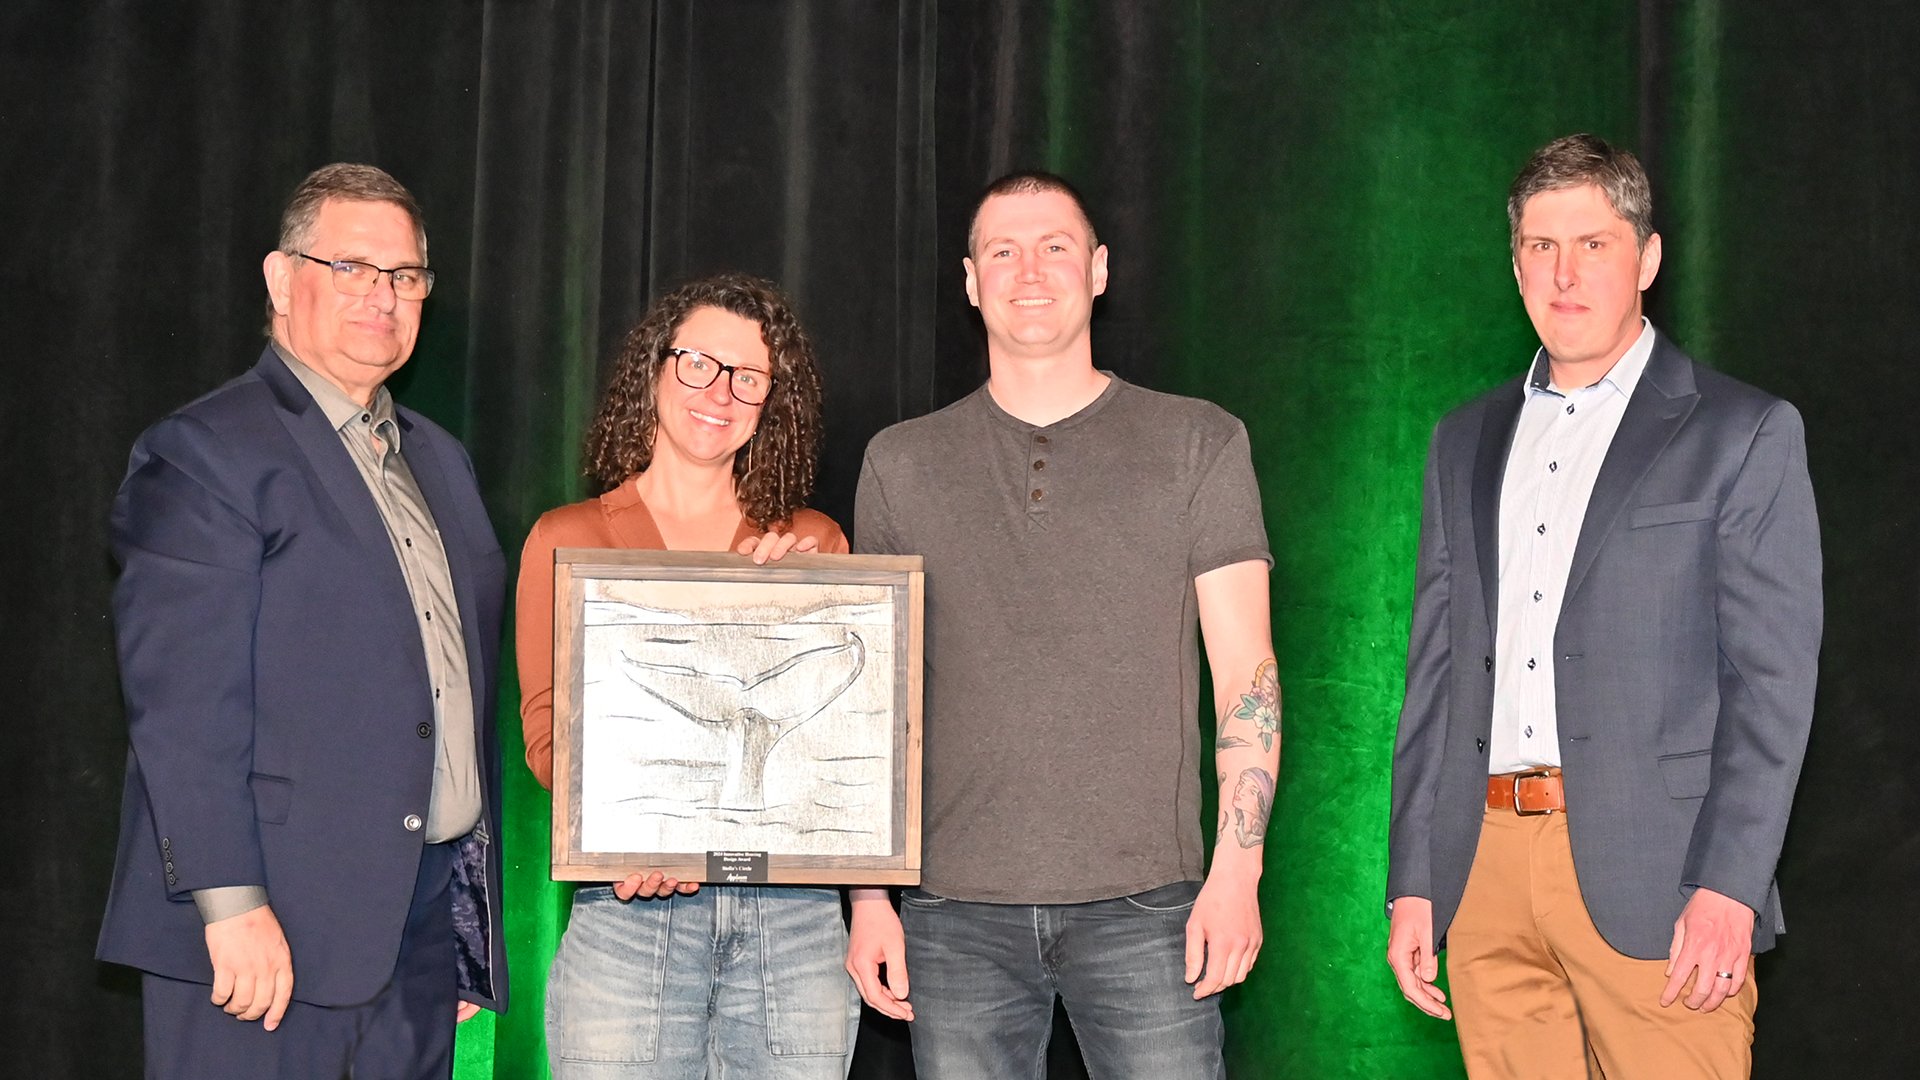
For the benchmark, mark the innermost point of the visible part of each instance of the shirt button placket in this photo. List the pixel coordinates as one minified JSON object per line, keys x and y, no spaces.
{"x":1037,"y":495}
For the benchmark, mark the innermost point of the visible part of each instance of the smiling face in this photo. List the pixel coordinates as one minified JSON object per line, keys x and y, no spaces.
{"x":355,"y":342}
{"x":706,"y":427}
{"x":1580,"y":277}
{"x":1034,"y":273}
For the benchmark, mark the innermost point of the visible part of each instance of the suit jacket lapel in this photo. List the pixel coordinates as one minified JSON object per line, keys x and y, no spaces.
{"x":320,"y":443}
{"x":1489,"y":469}
{"x":1660,"y":404}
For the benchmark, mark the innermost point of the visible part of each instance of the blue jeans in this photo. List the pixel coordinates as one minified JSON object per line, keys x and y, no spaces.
{"x":983,"y":979}
{"x":732,"y":981}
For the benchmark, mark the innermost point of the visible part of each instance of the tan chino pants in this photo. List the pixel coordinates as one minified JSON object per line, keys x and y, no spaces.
{"x":1538,"y":994}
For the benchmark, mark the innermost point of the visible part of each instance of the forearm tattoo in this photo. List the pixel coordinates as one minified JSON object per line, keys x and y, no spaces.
{"x":1251,"y":801}
{"x":1262,"y":704}
{"x":1252,"y":806}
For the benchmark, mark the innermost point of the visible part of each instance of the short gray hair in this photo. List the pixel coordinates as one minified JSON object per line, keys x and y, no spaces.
{"x":1575,"y":160}
{"x":349,"y":183}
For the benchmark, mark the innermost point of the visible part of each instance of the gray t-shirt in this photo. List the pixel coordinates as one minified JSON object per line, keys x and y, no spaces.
{"x":1062,"y":744}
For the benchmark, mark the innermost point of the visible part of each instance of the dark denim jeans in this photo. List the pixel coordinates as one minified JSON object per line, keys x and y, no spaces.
{"x":983,"y":977}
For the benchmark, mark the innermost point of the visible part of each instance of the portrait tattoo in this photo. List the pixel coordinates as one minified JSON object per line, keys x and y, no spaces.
{"x":1262,"y":704}
{"x":1252,"y":806}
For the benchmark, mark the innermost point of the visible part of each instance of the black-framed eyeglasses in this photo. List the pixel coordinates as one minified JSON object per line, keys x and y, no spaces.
{"x":359,"y":278}
{"x":748,"y":385}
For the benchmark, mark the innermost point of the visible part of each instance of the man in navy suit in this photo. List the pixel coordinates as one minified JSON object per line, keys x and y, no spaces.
{"x":308,"y":618}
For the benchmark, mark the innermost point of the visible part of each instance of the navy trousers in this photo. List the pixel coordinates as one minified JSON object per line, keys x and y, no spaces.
{"x":404,"y":1033}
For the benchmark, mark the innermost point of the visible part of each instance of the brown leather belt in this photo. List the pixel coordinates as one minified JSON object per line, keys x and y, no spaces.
{"x":1529,"y":791}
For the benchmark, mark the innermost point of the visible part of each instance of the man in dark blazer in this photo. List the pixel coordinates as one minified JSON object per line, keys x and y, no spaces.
{"x":1610,"y":680}
{"x":308,"y":620}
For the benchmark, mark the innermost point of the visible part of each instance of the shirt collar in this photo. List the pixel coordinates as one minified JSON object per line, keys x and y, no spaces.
{"x":1624,"y":376}
{"x":339,"y":409}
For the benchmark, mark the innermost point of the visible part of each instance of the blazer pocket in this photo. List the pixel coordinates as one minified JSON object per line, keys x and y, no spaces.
{"x":1689,"y":775}
{"x":272,"y":797}
{"x":1672,"y":513}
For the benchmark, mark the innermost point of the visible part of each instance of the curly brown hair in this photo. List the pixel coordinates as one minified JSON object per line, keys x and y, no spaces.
{"x":773,"y":473}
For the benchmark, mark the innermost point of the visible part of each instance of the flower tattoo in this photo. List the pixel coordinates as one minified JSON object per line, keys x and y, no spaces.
{"x":1262,"y":706}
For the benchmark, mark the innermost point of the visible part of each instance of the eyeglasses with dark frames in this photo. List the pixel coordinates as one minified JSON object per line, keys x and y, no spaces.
{"x":359,"y":278}
{"x":748,"y":385}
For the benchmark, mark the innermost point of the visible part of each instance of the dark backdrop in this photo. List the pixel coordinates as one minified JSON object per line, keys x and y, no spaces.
{"x":1304,"y":201}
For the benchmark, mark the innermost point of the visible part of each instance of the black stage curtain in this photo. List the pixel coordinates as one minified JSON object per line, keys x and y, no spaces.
{"x":574,"y":158}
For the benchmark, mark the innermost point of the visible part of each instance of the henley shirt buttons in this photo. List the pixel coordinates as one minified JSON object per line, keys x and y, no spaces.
{"x":1041,"y":439}
{"x":412,"y":822}
{"x":1038,"y":494}
{"x":1038,"y":465}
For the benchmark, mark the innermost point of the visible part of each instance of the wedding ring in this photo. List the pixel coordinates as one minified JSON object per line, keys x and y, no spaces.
{"x":1724,"y":974}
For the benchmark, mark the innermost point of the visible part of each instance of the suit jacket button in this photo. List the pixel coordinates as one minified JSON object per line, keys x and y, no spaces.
{"x":425,"y":730}
{"x":1479,"y":746}
{"x":412,"y":822}
{"x":1489,"y":663}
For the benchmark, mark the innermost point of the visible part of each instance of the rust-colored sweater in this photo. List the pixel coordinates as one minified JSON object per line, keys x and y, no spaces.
{"x":617,"y":519}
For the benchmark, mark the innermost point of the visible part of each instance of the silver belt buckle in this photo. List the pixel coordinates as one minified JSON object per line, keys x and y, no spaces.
{"x":1528,"y":775}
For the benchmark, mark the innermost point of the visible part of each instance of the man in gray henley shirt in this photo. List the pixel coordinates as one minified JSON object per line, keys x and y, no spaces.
{"x":1079,"y":534}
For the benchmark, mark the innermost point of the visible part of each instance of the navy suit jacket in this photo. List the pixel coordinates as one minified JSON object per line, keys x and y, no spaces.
{"x":1684,"y":658}
{"x":278,"y":703}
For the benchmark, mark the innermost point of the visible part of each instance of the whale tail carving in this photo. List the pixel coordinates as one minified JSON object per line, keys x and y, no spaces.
{"x":754,"y":711}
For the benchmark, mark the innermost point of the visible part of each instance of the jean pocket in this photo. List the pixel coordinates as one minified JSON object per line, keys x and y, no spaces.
{"x":1178,"y":896}
{"x":920,"y":898}
{"x":607,"y":987}
{"x":812,"y":1007}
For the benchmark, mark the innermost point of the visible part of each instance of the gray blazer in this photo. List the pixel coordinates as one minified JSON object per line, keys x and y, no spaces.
{"x":1684,"y":659}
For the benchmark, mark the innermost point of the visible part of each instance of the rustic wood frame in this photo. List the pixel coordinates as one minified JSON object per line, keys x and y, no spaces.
{"x":902,"y":574}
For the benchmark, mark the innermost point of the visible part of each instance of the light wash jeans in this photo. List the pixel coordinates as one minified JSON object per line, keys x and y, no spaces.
{"x":734,"y":981}
{"x":984,"y":976}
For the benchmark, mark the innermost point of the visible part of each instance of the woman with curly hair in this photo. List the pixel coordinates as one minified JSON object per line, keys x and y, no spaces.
{"x":706,"y":439}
